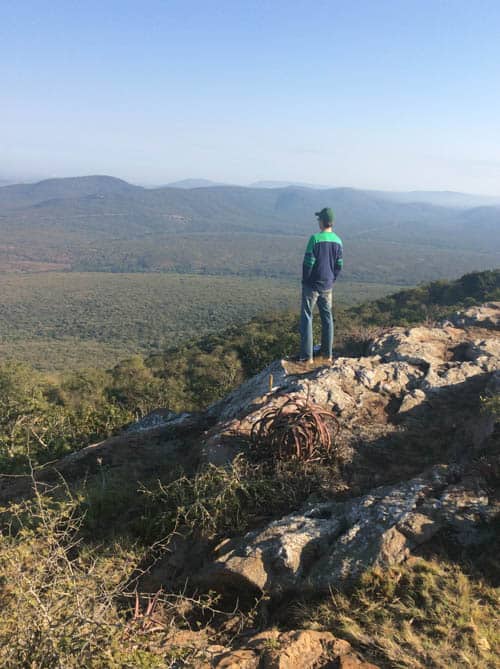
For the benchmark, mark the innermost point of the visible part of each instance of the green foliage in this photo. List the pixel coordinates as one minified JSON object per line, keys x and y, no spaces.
{"x":22,"y":403}
{"x":134,"y":387}
{"x":67,"y":321}
{"x":227,"y":500}
{"x":48,"y":415}
{"x":139,"y":312}
{"x":434,"y":300}
{"x":20,"y":397}
{"x":211,"y":502}
{"x":41,"y":420}
{"x":491,"y":405}
{"x":370,"y":260}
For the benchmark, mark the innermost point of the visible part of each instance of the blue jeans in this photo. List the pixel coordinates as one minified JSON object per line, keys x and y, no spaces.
{"x":324,"y":300}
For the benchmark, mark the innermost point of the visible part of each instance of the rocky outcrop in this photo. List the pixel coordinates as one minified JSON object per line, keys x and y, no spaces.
{"x":414,"y":401}
{"x":411,"y":430}
{"x":414,"y":381}
{"x":485,"y":316}
{"x":331,"y":544}
{"x":298,"y":649}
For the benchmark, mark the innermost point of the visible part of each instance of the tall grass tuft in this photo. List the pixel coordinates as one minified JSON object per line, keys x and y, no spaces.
{"x":422,"y":614}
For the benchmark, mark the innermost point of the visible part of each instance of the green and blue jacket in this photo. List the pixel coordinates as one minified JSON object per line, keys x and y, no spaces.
{"x":322,"y":261}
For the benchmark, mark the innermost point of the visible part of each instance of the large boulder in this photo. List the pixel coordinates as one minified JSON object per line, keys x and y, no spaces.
{"x":332,"y":544}
{"x":485,"y":315}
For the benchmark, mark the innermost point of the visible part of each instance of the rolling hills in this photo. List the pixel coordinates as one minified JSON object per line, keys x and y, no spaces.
{"x":105,"y":224}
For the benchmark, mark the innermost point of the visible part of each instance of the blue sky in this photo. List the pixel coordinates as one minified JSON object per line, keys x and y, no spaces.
{"x":371,"y":94}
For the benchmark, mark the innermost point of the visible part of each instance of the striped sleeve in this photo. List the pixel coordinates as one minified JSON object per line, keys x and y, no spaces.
{"x":309,"y":261}
{"x":339,"y":261}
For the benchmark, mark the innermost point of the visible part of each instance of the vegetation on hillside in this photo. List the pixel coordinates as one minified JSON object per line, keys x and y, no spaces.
{"x":60,"y":321}
{"x":433,"y":300}
{"x":68,"y":582}
{"x":279,"y":255}
{"x":69,"y":562}
{"x":47,"y":415}
{"x":436,"y":611}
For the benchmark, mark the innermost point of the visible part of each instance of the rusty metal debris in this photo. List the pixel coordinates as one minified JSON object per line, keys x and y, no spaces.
{"x":297,"y":430}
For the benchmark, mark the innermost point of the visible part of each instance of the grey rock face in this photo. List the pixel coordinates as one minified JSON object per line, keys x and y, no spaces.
{"x":421,"y":377}
{"x":277,"y":558}
{"x":406,"y":370}
{"x":487,"y":316}
{"x":157,"y":418}
{"x":334,"y":543}
{"x":253,"y":391}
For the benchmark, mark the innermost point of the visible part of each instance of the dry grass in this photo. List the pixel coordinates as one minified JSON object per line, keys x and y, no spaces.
{"x":425,"y":614}
{"x":68,"y":602}
{"x":59,"y":598}
{"x":67,"y":605}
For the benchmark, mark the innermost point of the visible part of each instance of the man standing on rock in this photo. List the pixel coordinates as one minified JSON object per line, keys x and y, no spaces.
{"x":322,"y":264}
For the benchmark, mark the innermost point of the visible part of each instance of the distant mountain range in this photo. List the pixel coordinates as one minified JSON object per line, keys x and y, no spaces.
{"x":194,"y":183}
{"x":439,"y":198}
{"x":207,"y":183}
{"x":104,"y":223}
{"x":286,"y":184}
{"x":443,"y":198}
{"x":7,"y":182}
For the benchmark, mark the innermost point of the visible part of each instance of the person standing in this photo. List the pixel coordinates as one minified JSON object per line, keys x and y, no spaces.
{"x":321,"y":267}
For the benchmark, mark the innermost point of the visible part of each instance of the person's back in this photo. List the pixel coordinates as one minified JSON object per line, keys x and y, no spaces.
{"x":322,"y":264}
{"x":322,"y":261}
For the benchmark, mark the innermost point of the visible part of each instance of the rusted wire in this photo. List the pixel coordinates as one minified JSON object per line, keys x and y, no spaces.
{"x":297,"y":430}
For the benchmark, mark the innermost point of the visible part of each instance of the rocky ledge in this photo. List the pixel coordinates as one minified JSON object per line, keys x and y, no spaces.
{"x":417,"y":456}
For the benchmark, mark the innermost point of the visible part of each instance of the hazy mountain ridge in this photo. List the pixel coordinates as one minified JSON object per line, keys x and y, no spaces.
{"x":442,"y":198}
{"x":24,"y":195}
{"x":85,"y":218}
{"x":194,"y":183}
{"x":286,"y":184}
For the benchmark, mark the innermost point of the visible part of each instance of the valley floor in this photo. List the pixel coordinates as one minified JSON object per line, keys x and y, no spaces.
{"x":59,"y":321}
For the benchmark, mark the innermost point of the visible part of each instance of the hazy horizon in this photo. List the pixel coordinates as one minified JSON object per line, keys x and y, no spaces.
{"x":278,"y":183}
{"x":387,"y":96}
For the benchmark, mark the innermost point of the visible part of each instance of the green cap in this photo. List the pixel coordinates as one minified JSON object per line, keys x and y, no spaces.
{"x":325,"y":215}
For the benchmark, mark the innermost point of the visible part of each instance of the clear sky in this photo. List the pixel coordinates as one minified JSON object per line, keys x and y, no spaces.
{"x":401,"y":94}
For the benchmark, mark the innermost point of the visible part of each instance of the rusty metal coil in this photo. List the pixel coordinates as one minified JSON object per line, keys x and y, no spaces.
{"x":297,"y":430}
